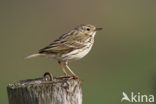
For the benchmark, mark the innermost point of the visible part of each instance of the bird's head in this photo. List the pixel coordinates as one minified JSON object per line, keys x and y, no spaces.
{"x":87,"y":29}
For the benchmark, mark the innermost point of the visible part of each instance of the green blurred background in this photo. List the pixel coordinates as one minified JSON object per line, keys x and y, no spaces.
{"x":123,"y":57}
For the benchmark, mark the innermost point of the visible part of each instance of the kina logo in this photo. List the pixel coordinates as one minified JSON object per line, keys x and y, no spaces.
{"x":137,"y":97}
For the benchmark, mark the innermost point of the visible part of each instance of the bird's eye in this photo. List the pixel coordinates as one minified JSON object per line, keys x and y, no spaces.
{"x":88,"y":29}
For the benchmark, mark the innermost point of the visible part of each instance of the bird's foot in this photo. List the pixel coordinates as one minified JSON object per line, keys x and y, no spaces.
{"x":65,"y":76}
{"x":70,"y":77}
{"x":76,"y":77}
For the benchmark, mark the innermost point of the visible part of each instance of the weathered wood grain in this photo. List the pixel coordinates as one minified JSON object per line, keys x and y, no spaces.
{"x":40,"y":91}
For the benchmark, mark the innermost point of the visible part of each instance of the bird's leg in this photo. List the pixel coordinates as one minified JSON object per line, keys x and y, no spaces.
{"x":63,"y":69}
{"x":66,"y":65}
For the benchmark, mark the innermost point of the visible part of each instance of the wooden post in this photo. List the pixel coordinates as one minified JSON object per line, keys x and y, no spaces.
{"x":41,"y":91}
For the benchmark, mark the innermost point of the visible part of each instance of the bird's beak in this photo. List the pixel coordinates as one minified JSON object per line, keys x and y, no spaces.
{"x":98,"y":29}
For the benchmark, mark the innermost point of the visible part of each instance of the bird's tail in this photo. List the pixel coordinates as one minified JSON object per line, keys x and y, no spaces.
{"x":32,"y":56}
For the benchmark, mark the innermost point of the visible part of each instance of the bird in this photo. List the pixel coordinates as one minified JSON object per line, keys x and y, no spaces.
{"x":73,"y":45}
{"x":125,"y":97}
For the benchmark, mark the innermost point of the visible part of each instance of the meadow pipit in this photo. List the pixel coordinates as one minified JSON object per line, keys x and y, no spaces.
{"x":72,"y":45}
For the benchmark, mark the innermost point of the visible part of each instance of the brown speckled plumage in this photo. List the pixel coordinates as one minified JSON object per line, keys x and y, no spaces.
{"x":72,"y":45}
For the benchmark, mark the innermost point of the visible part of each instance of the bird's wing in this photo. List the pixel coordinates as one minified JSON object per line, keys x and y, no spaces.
{"x":62,"y":45}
